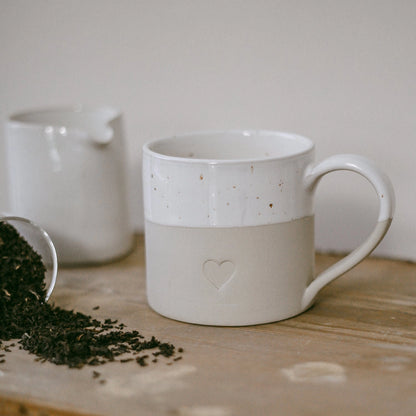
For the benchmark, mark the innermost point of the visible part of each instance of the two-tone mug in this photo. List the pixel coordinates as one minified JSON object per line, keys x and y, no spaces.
{"x":229,"y":224}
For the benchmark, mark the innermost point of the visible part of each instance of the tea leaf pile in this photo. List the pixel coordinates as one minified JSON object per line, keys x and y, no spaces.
{"x":54,"y":334}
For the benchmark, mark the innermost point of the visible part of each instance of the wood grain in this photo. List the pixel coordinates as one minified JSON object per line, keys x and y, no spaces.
{"x":353,"y":353}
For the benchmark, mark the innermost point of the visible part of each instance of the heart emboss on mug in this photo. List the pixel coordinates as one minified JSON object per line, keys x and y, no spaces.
{"x":217,"y":272}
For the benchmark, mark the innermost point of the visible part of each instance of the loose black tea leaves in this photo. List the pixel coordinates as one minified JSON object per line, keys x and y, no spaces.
{"x":51,"y":333}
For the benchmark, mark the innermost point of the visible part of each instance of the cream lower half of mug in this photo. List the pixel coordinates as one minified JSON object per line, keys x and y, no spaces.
{"x":229,"y":276}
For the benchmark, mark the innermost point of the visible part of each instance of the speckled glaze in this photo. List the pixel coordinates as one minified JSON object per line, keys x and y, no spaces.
{"x":261,"y":184}
{"x":229,"y":225}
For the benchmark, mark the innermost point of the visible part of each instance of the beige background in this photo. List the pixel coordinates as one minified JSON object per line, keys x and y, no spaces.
{"x":340,"y":72}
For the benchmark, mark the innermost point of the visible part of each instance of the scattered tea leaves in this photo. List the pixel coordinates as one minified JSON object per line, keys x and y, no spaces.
{"x":142,"y":360}
{"x":51,"y":333}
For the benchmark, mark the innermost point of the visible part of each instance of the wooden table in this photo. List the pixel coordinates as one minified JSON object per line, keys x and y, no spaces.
{"x":353,"y":353}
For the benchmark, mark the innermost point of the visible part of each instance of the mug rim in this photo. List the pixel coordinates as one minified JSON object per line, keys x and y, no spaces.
{"x":310,"y":146}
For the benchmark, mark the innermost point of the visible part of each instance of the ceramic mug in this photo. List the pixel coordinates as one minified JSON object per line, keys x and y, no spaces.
{"x":229,"y":225}
{"x":66,"y":172}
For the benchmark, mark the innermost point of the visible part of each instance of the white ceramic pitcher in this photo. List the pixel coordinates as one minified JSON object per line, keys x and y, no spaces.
{"x":66,"y":171}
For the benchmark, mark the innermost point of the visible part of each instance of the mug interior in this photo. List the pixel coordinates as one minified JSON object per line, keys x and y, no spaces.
{"x":231,"y":146}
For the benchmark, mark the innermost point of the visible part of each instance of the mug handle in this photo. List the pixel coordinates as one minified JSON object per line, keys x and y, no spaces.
{"x":385,"y":192}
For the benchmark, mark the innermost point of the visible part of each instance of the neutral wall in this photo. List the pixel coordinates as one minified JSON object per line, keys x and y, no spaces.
{"x":340,"y":72}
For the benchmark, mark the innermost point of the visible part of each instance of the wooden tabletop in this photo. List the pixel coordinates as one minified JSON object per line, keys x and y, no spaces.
{"x":353,"y":353}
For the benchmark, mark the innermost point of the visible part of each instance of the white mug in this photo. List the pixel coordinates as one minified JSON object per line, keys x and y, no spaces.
{"x":66,"y":172}
{"x":229,"y":225}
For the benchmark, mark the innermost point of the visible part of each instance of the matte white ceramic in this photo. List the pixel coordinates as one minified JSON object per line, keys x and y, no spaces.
{"x":230,"y":226}
{"x":67,"y":172}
